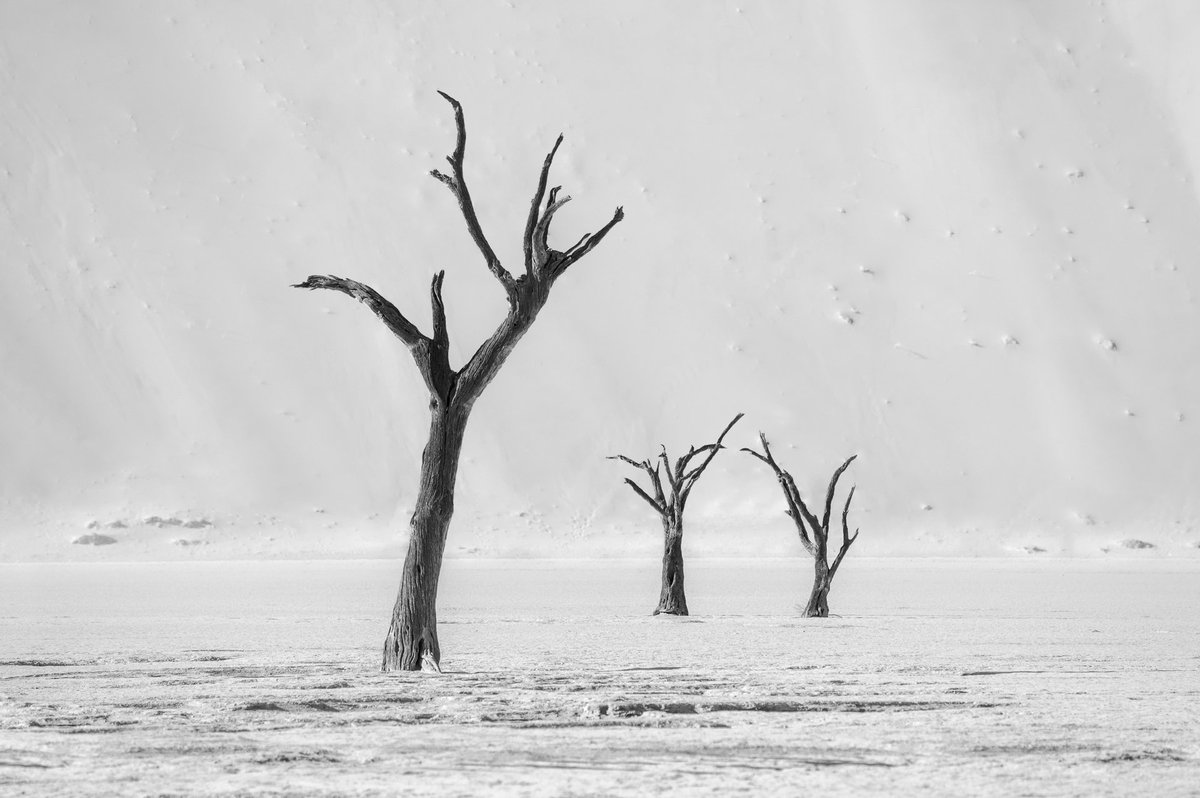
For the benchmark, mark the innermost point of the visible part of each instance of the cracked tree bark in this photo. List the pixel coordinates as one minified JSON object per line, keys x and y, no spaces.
{"x":412,"y":640}
{"x":816,"y":544}
{"x":669,"y":504}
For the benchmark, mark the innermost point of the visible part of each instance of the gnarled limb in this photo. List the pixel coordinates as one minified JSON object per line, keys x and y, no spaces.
{"x":404,"y":329}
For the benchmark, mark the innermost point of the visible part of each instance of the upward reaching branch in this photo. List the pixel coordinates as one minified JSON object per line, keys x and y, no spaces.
{"x":457,"y":184}
{"x":833,"y":488}
{"x":587,"y":243}
{"x":689,"y":479}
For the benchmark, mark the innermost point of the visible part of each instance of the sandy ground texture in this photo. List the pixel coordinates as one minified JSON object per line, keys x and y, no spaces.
{"x":963,"y":677}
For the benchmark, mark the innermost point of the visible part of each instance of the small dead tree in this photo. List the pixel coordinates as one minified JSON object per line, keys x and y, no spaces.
{"x":680,"y":481}
{"x":412,"y":641}
{"x":817,"y":544}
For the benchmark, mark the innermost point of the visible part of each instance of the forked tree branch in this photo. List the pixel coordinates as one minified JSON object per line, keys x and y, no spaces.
{"x":430,"y":354}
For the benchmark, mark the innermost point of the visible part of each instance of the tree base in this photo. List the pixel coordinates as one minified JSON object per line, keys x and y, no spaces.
{"x":406,"y":649}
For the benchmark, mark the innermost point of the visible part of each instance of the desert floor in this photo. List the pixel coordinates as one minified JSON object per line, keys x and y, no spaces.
{"x":954,"y":676}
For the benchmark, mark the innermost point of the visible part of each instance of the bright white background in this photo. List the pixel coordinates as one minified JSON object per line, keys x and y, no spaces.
{"x":959,"y":239}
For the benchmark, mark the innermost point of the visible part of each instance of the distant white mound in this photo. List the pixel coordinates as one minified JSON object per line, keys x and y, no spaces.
{"x":1132,"y":543}
{"x":94,"y":539}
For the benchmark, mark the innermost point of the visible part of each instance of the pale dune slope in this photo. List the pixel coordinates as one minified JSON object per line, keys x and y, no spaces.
{"x":958,"y":239}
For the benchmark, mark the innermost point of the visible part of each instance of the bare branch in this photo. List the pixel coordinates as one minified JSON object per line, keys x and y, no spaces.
{"x":457,"y":183}
{"x":587,"y":243}
{"x":756,"y":454}
{"x":404,"y":329}
{"x":712,"y":449}
{"x":629,"y":460}
{"x":688,"y":481}
{"x":832,"y":488}
{"x":797,"y":510}
{"x":693,"y":452}
{"x":657,"y":507}
{"x":819,"y":532}
{"x":532,"y":221}
{"x":847,"y":538}
{"x":541,"y":250}
{"x":656,"y":481}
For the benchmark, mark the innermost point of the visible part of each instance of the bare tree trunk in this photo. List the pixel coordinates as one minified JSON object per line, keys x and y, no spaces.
{"x":412,"y":641}
{"x":818,"y":600}
{"x":671,"y":600}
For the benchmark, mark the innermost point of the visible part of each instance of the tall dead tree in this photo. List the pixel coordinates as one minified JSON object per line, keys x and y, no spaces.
{"x":412,"y":641}
{"x":669,"y":504}
{"x":813,"y":531}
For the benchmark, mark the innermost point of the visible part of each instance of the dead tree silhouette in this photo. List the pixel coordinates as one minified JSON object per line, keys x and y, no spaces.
{"x":816,"y":544}
{"x":412,"y":640}
{"x":669,"y":504}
